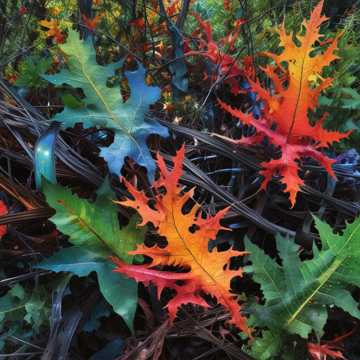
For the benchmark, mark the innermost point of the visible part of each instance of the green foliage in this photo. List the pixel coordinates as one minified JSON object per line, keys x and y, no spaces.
{"x":298,"y":293}
{"x":103,"y":106}
{"x":120,"y":292}
{"x":21,"y":310}
{"x":213,"y":10}
{"x":30,"y":71}
{"x":341,"y":101}
{"x":16,"y":34}
{"x":93,"y":229}
{"x":92,"y":225}
{"x":266,"y":346}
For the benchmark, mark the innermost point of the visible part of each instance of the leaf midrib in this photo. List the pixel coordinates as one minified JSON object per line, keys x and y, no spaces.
{"x":17,"y":307}
{"x":216,"y":283}
{"x":301,"y":86}
{"x":325,"y":276}
{"x":108,"y":109}
{"x":84,"y":224}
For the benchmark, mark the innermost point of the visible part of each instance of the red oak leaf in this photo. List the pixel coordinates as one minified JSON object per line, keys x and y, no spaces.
{"x":226,"y":64}
{"x":285,"y":119}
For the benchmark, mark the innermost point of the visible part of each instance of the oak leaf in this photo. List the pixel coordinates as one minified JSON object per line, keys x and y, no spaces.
{"x":285,"y":117}
{"x":188,"y":236}
{"x":226,"y":64}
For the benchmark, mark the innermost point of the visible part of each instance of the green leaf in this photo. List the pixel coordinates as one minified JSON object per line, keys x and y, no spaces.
{"x":298,"y":293}
{"x":105,"y":107}
{"x":20,"y":307}
{"x":266,"y":346}
{"x":30,"y":71}
{"x":17,"y":291}
{"x":353,"y":100}
{"x":94,"y":230}
{"x":71,"y":101}
{"x":37,"y":313}
{"x":119,"y":291}
{"x":9,"y":304}
{"x":93,"y":225}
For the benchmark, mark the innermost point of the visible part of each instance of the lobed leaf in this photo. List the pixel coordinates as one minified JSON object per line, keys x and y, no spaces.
{"x":188,"y":236}
{"x":298,"y":293}
{"x":103,"y":106}
{"x":285,"y":118}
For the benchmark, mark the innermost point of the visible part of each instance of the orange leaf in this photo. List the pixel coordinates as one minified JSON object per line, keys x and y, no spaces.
{"x":53,"y":30}
{"x":11,"y":78}
{"x":227,"y":5}
{"x":188,"y":235}
{"x":91,"y":23}
{"x":173,"y":7}
{"x":288,"y":106}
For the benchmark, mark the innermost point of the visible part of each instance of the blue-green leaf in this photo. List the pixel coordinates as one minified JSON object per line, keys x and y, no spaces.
{"x":44,"y":159}
{"x":120,"y":292}
{"x":93,"y":227}
{"x":103,"y":106}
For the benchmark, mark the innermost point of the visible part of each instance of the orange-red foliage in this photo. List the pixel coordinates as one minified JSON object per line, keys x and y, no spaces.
{"x":205,"y":272}
{"x":285,"y":120}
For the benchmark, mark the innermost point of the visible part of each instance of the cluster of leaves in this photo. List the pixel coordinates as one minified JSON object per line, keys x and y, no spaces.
{"x":344,"y":103}
{"x":276,"y":298}
{"x":25,"y":311}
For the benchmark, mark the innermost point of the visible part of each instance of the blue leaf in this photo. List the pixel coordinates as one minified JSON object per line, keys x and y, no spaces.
{"x":137,"y":149}
{"x":44,"y":159}
{"x":104,"y":107}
